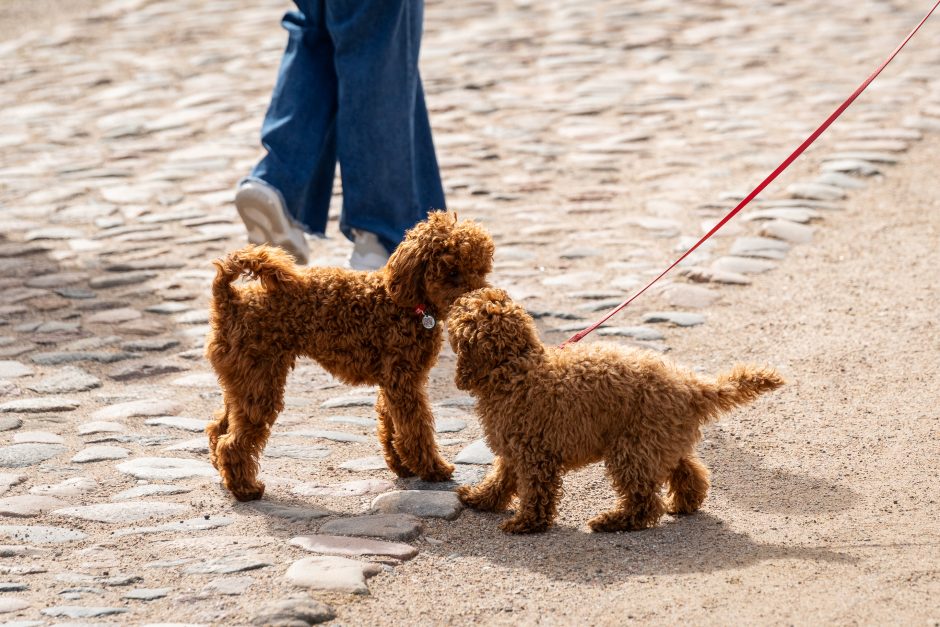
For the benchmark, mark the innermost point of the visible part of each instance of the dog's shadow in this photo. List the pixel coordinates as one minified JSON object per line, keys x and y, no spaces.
{"x":694,"y":544}
{"x":747,"y":483}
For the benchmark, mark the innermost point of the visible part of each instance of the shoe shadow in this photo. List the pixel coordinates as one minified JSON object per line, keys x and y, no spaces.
{"x":748,"y":483}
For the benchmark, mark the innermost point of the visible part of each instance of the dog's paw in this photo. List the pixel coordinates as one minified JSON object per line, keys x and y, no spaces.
{"x":517,"y":524}
{"x":619,"y":521}
{"x":440,"y":472}
{"x":248,"y":493}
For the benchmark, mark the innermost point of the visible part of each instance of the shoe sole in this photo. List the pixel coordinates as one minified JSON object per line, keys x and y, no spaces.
{"x":267,"y":224}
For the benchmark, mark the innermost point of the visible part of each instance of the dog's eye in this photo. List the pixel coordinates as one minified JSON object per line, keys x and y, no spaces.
{"x":454,"y":275}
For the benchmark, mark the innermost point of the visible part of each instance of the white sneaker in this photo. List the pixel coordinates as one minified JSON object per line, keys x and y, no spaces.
{"x":262,"y":210}
{"x":368,"y":252}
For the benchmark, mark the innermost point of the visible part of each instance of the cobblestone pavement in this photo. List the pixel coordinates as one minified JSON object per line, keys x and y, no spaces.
{"x":595,"y":139}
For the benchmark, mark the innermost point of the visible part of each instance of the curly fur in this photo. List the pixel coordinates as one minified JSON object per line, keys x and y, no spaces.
{"x":360,"y":326}
{"x":547,"y":410}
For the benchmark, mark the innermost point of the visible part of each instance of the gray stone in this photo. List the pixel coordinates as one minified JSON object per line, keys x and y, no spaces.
{"x":763,"y":247}
{"x":37,"y":437}
{"x":686,"y":296}
{"x":8,"y":423}
{"x":58,"y":358}
{"x":194,"y":445}
{"x":293,"y":451}
{"x":709,"y":275}
{"x":677,"y":318}
{"x":364,"y":463}
{"x":167,"y":468}
{"x":329,"y":574}
{"x":350,"y":401}
{"x":477,"y":452}
{"x":788,"y":231}
{"x":147,"y":594}
{"x":294,"y":612}
{"x":41,"y":534}
{"x":78,"y":611}
{"x":28,"y":505}
{"x":114,"y":316}
{"x":131,"y":511}
{"x":794,"y":214}
{"x":353,"y":420}
{"x":290,"y":512}
{"x":71,"y":487}
{"x":149,"y":490}
{"x":449,"y":425}
{"x":197,"y":379}
{"x":229,"y":586}
{"x":335,"y":436}
{"x":202,"y":523}
{"x":422,"y":503}
{"x":14,"y":369}
{"x":134,"y":409}
{"x":742,"y":265}
{"x":68,"y":379}
{"x":143,"y":370}
{"x":862,"y":155}
{"x":8,"y":480}
{"x":228,"y":564}
{"x":99,"y":426}
{"x":851,"y":166}
{"x":120,"y":279}
{"x":22,"y":455}
{"x":11,"y":604}
{"x":39,"y":405}
{"x":153,"y":345}
{"x":388,"y":526}
{"x":100,"y":453}
{"x":350,"y":488}
{"x":179,"y":422}
{"x":344,"y":545}
{"x":644,"y":334}
{"x":815,"y":191}
{"x":13,"y":587}
{"x":838,"y":179}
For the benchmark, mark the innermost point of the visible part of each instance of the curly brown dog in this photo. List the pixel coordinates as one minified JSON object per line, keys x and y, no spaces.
{"x":362,"y":327}
{"x":549,"y":410}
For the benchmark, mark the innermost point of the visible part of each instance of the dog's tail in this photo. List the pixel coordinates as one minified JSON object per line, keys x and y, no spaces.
{"x":740,"y":386}
{"x":272,"y":266}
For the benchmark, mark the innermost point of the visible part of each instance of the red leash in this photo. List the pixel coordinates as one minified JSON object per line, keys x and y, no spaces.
{"x":767,"y":181}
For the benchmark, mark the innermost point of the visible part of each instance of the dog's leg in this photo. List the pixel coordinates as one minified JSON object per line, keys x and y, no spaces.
{"x":640,"y":504}
{"x":216,"y":429}
{"x":494,"y":492}
{"x":252,"y":403}
{"x":410,"y":411}
{"x":539,"y":482}
{"x":688,"y":485}
{"x":385,"y":429}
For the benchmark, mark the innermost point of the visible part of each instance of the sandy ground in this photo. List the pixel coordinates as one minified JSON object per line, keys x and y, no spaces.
{"x":18,"y":17}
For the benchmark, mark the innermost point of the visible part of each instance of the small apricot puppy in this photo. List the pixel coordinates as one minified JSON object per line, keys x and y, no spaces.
{"x":547,"y":410}
{"x":366,"y":328}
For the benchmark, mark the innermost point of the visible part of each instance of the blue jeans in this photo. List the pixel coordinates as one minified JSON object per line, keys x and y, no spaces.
{"x":348,"y":90}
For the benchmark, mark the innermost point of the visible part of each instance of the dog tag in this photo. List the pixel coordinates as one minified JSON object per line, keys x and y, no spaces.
{"x":428,"y":321}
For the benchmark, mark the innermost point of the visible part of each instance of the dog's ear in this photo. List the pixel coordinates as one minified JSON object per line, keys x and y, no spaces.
{"x":403,"y":274}
{"x":406,"y":267}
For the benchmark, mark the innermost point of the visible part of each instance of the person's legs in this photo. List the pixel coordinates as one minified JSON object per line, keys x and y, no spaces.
{"x":390,"y":174}
{"x":299,"y":127}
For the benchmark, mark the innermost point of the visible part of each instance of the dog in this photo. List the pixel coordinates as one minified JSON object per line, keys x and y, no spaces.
{"x":365,"y":328}
{"x":547,"y":410}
